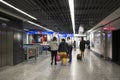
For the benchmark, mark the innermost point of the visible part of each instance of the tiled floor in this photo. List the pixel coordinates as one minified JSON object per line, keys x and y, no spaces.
{"x":90,"y":68}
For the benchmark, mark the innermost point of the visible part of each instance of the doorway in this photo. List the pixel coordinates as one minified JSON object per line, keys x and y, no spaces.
{"x":116,"y":46}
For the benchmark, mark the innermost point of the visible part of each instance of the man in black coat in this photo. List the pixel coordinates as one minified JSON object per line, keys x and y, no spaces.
{"x":82,"y":46}
{"x":63,"y":46}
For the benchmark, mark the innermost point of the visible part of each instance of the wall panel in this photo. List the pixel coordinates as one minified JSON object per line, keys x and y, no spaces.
{"x":4,"y":51}
{"x":9,"y":47}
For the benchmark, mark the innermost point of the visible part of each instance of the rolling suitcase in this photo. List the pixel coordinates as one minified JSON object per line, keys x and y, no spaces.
{"x":79,"y":57}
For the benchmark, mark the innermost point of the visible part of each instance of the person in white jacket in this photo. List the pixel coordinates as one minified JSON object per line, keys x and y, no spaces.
{"x":54,"y":49}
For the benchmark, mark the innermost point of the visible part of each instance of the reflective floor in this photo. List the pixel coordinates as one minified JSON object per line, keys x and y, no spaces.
{"x":90,"y":68}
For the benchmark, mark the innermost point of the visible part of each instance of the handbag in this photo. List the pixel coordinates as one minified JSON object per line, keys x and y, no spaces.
{"x":57,"y":57}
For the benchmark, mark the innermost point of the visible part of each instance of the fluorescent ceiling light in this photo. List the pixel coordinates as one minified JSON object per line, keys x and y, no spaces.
{"x":71,"y":6}
{"x":18,"y":9}
{"x":4,"y":19}
{"x":39,"y":26}
{"x":26,"y":30}
{"x":80,"y":35}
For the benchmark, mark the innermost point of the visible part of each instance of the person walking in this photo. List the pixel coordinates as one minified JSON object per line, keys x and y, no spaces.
{"x":88,"y":44}
{"x":63,"y":51}
{"x":54,"y":48}
{"x":82,"y":46}
{"x":69,"y":49}
{"x":63,"y":46}
{"x":74,"y":44}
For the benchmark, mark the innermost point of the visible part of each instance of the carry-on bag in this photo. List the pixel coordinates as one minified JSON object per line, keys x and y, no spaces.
{"x":79,"y":57}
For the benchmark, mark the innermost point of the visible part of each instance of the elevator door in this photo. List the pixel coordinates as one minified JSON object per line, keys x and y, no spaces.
{"x":3,"y":49}
{"x":6,"y":50}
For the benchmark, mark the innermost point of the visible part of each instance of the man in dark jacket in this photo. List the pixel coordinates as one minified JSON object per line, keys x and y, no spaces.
{"x":82,"y":46}
{"x":70,"y":48}
{"x":63,"y":46}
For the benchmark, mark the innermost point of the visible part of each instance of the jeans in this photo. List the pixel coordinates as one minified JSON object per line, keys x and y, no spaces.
{"x":53,"y":55}
{"x":70,"y":53}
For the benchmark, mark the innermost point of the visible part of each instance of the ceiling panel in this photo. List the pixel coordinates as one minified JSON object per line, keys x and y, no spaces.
{"x":90,"y":12}
{"x":55,"y":14}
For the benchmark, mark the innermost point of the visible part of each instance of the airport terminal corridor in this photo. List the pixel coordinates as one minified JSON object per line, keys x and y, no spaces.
{"x":30,"y":29}
{"x":91,"y":67}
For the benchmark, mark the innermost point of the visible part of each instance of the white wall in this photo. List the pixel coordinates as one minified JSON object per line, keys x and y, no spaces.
{"x":101,"y":42}
{"x":97,"y":41}
{"x":30,"y":38}
{"x":109,"y":44}
{"x":113,"y":20}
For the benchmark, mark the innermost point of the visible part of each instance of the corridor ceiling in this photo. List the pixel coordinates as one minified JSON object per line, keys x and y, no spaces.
{"x":55,"y":14}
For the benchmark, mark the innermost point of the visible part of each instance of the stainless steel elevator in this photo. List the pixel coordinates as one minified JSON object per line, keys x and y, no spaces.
{"x":11,"y":40}
{"x":6,"y":52}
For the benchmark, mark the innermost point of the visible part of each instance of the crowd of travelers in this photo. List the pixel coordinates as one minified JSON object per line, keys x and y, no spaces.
{"x":66,"y":46}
